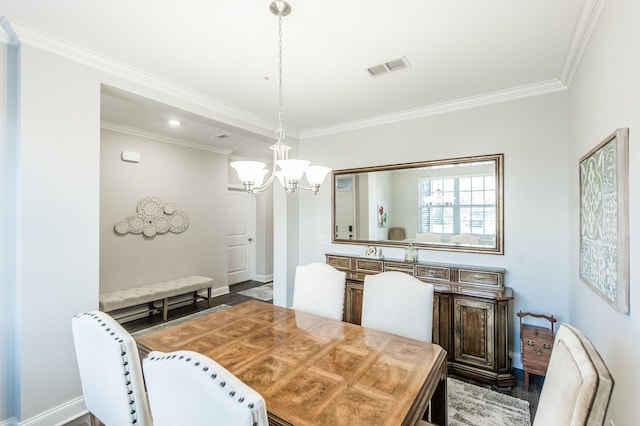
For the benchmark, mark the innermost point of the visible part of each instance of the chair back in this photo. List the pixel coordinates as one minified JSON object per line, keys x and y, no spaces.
{"x":578,"y":385}
{"x":398,"y":303}
{"x":427,"y":237}
{"x":110,"y":370}
{"x":188,"y":388}
{"x":319,"y":289}
{"x":397,"y":233}
{"x":465,"y":239}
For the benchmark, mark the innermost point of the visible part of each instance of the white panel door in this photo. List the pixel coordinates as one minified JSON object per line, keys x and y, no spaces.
{"x":241,"y":228}
{"x":345,"y":215}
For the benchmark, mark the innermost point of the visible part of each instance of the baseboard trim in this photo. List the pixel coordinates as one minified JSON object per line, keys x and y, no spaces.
{"x":263,"y":278}
{"x":59,"y":415}
{"x":215,"y":292}
{"x":9,"y":422}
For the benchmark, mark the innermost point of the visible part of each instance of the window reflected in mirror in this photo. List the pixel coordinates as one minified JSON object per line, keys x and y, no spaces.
{"x":451,"y":204}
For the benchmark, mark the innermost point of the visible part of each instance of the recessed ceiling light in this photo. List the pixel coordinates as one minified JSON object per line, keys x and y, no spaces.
{"x":174,"y":123}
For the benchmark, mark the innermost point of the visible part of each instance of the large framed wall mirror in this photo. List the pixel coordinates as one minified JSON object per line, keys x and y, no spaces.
{"x":452,"y":204}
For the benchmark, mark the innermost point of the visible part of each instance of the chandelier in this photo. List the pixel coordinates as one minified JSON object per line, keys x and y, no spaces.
{"x":438,"y":199}
{"x":289,"y":172}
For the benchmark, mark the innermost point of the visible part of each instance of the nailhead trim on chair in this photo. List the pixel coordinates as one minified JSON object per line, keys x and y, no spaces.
{"x":125,"y":363}
{"x":205,"y":368}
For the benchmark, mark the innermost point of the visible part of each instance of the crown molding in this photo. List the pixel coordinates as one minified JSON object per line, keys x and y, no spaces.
{"x":587,"y":19}
{"x":150,"y":135}
{"x":8,"y":36}
{"x":525,"y":91}
{"x":48,"y":43}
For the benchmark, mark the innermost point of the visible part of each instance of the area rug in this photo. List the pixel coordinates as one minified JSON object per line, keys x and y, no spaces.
{"x":263,"y":292}
{"x":178,"y":320}
{"x":473,"y":405}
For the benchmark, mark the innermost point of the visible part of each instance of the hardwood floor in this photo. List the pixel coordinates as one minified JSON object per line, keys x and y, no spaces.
{"x":234,"y":298}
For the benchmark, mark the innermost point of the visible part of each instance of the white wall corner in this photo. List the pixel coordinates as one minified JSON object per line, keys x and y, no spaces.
{"x":8,"y":36}
{"x":516,"y":360}
{"x":585,"y":24}
{"x":9,"y":422}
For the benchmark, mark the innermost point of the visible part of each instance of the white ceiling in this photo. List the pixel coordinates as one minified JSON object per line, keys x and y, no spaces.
{"x":460,"y":51}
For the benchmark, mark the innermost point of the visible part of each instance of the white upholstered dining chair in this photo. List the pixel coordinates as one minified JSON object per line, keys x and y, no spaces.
{"x":578,"y":385}
{"x":319,"y":289}
{"x":110,"y":371}
{"x":189,"y":388}
{"x":428,"y":237}
{"x":398,"y":303}
{"x":465,"y":239}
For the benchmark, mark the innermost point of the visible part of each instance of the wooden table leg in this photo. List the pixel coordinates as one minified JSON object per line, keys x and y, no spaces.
{"x":439,"y":401}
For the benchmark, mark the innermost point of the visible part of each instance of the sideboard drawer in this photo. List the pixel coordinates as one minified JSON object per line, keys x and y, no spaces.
{"x":484,"y":278}
{"x":369,"y":265}
{"x":400,"y":267}
{"x":433,"y":272}
{"x":339,"y":262}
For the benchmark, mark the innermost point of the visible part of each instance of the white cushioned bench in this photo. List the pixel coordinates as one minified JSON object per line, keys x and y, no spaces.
{"x":149,"y":293}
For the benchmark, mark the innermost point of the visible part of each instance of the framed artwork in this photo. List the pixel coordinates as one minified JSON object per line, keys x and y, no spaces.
{"x":604,"y":219}
{"x":382,"y":217}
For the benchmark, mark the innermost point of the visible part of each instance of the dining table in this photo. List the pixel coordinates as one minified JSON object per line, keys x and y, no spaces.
{"x":313,"y":370}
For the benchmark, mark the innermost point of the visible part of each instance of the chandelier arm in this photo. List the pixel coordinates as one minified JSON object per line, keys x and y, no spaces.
{"x":264,"y":186}
{"x":314,"y":188}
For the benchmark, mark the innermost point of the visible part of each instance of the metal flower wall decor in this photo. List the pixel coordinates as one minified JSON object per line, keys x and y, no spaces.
{"x":152,"y":217}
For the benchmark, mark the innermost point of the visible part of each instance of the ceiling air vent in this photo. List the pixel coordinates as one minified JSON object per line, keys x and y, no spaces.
{"x":387,"y":67}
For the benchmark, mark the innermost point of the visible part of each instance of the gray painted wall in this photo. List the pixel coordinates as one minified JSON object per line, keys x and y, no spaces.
{"x":532,"y":133}
{"x":195,"y":181}
{"x":58,"y":222}
{"x":605,"y":95}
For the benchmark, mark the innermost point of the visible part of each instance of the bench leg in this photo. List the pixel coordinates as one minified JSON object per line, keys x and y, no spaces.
{"x":209,"y":297}
{"x":165,"y":308}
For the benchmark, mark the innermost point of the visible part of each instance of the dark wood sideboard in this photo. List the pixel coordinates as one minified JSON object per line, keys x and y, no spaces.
{"x":470,"y":311}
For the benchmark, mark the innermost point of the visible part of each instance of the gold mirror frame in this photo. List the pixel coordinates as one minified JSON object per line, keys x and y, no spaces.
{"x":354,"y":180}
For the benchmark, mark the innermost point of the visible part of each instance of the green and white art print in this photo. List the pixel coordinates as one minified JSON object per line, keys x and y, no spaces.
{"x":604,"y":219}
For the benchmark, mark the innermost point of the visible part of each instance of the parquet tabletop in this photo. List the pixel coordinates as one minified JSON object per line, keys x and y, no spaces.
{"x":313,"y":370}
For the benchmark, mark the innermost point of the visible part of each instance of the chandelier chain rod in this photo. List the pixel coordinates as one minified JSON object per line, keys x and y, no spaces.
{"x":280,"y":131}
{"x":289,"y":172}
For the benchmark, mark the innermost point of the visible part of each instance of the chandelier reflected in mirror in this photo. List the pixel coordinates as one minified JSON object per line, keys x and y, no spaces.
{"x":288,"y":171}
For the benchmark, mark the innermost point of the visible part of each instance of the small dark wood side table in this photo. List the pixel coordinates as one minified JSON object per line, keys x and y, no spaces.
{"x":536,"y":344}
